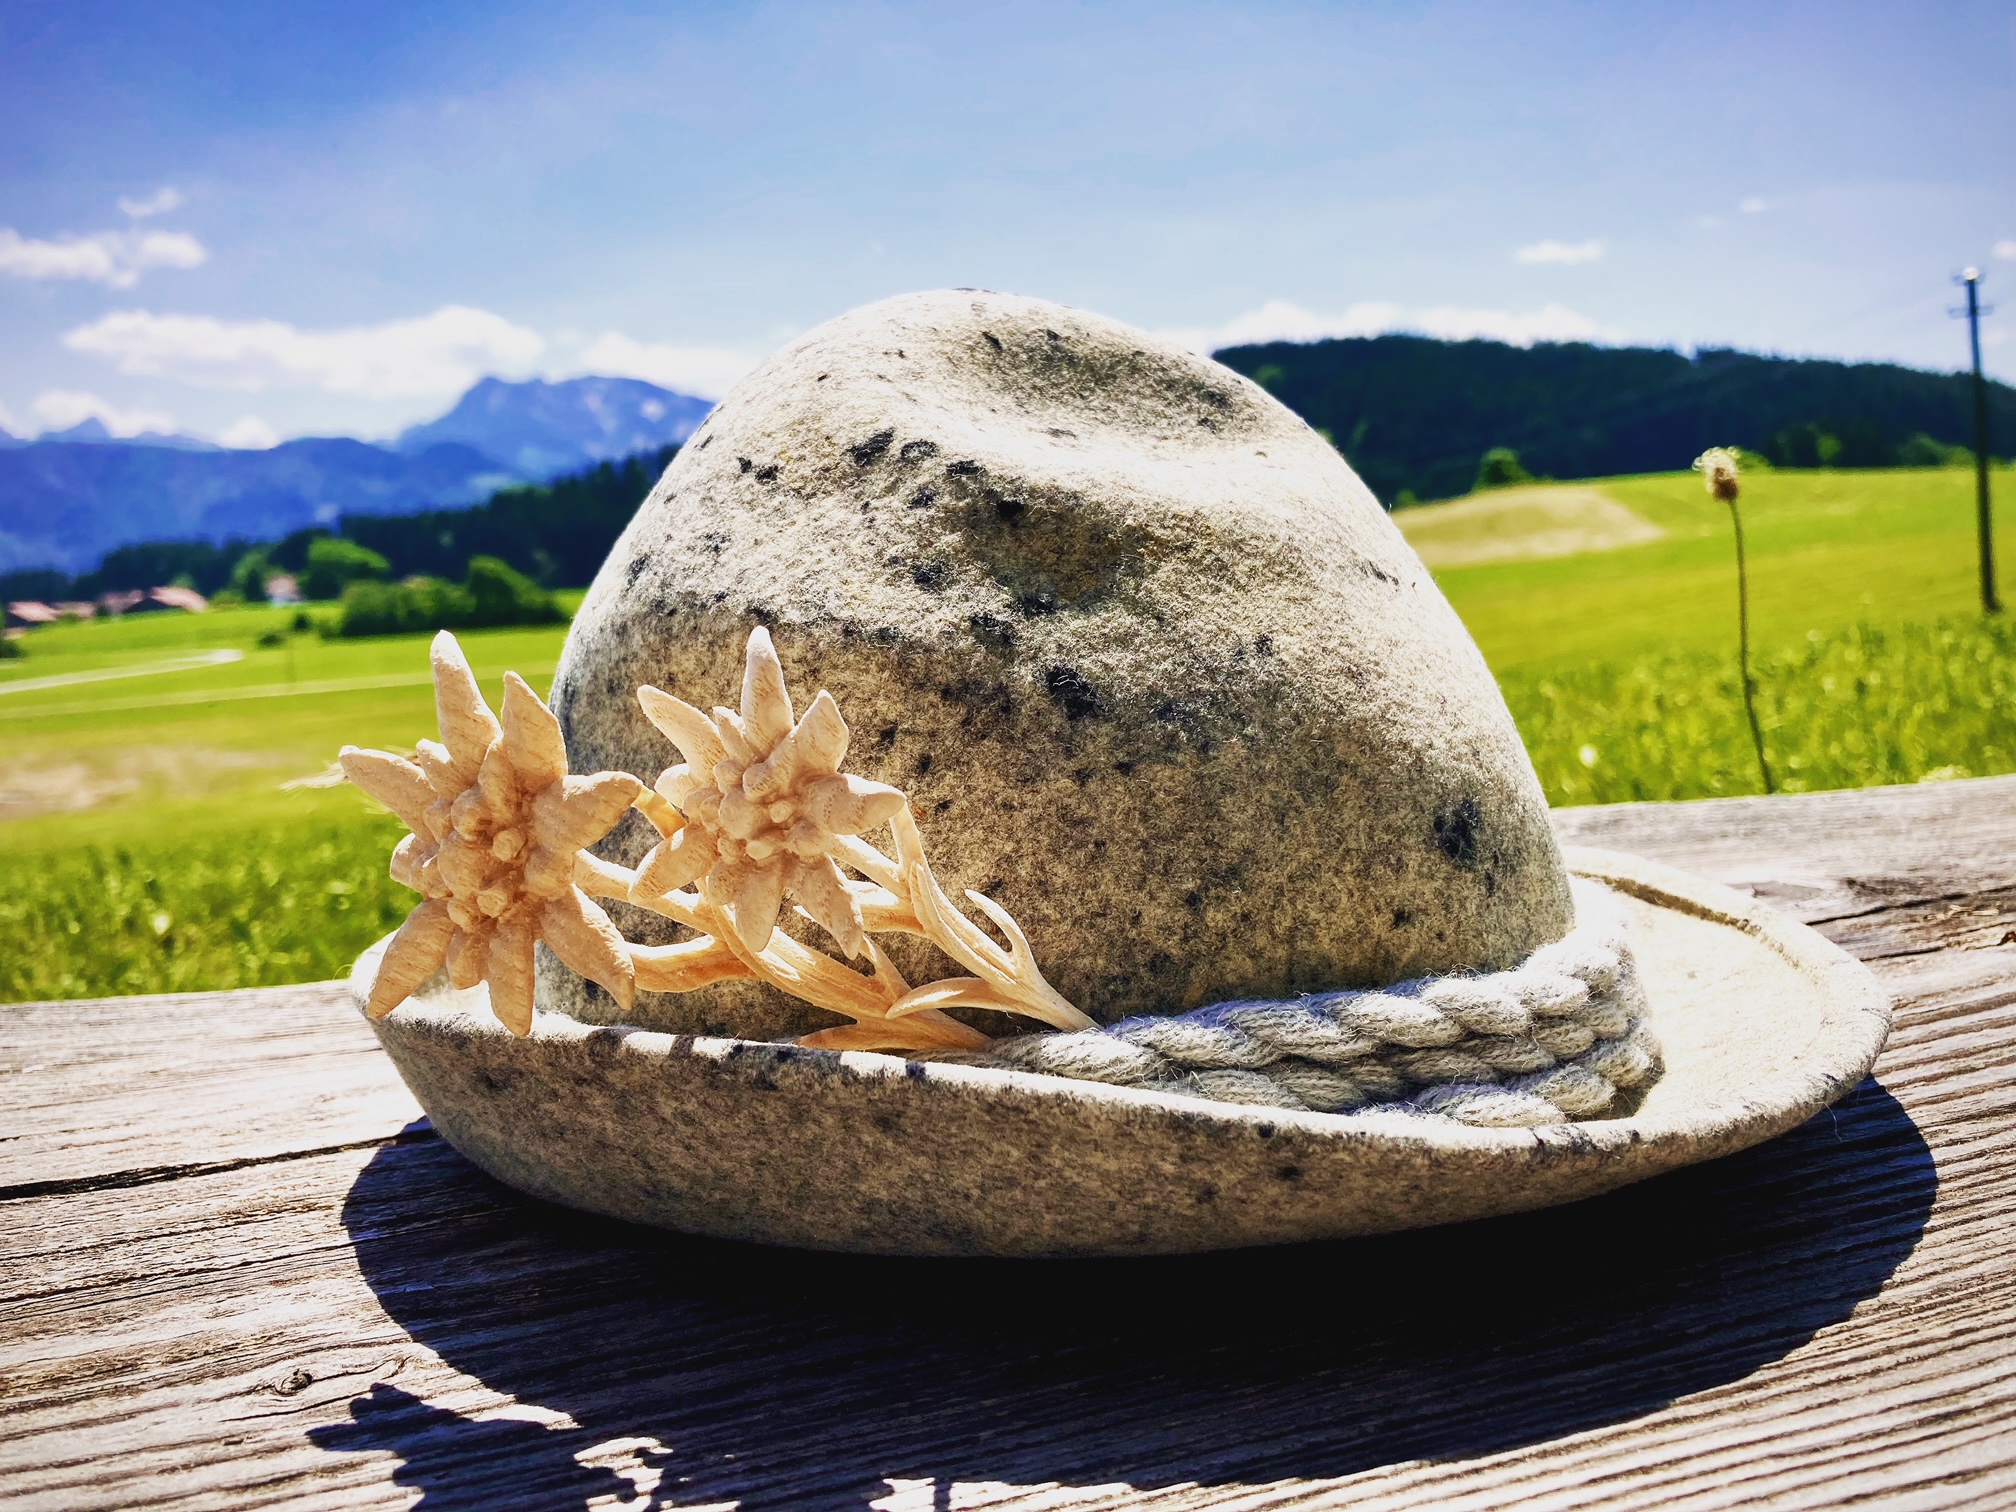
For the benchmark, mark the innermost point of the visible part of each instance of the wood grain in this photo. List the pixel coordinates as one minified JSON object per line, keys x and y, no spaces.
{"x":1824,"y":856}
{"x":137,"y":1088}
{"x":227,"y":1278}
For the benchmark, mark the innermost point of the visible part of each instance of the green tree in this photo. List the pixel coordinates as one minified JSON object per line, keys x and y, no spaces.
{"x":248,"y":576}
{"x":1921,"y":450}
{"x":1500,"y":468}
{"x":494,"y":594}
{"x":373,"y":608}
{"x":1808,"y":445}
{"x":334,"y":564}
{"x":500,"y":595}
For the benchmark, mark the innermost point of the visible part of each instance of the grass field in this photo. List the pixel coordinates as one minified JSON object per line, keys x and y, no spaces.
{"x":1828,"y":550}
{"x":162,"y":829}
{"x":1619,"y":662}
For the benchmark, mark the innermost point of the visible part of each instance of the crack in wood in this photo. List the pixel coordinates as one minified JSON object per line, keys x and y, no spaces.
{"x":149,"y":1175}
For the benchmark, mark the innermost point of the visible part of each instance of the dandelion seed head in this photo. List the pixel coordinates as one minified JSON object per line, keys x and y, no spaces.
{"x":1717,"y":467}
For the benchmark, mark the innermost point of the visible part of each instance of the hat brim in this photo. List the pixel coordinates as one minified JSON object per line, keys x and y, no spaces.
{"x":1762,"y":1023}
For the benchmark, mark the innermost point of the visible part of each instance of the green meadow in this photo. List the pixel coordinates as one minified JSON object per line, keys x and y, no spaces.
{"x":1874,"y":662}
{"x":167,"y":821}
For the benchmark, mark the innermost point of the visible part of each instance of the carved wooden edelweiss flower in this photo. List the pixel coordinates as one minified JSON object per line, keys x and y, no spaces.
{"x":767,"y":808}
{"x":498,"y":827}
{"x":760,"y":811}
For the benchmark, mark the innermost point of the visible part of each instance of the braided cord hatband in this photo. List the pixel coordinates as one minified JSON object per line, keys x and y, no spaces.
{"x":1559,"y":1037}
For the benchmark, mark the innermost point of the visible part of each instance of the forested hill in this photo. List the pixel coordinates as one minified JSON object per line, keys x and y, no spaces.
{"x":1414,"y":415}
{"x":556,"y":533}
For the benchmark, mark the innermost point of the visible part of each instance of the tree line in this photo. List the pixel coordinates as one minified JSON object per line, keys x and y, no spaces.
{"x":551,"y":535}
{"x":1415,"y":416}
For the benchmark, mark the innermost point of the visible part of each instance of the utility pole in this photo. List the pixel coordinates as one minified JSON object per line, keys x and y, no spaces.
{"x":1984,"y":519}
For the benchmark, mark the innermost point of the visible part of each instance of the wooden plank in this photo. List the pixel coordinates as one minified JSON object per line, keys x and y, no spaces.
{"x":194,"y":1337}
{"x":138,"y":1088}
{"x":1828,"y":1319}
{"x":1823,"y":856}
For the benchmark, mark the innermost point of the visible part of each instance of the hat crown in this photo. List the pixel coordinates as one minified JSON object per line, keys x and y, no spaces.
{"x":1156,"y":670}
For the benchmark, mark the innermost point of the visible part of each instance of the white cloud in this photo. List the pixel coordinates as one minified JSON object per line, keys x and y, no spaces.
{"x":704,"y":372}
{"x":7,"y":421}
{"x":435,"y":356}
{"x":1565,"y":253}
{"x":1277,"y":320}
{"x":1755,"y":205}
{"x":164,"y":249}
{"x":249,"y":433}
{"x":59,"y":409}
{"x":160,"y":202}
{"x":117,"y":258}
{"x":2006,"y":249}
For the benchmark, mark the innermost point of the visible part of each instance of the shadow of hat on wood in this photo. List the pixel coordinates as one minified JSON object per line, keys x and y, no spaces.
{"x":777,"y":1378}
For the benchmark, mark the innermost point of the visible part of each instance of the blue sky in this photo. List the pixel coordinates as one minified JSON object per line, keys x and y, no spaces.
{"x":254,"y":221}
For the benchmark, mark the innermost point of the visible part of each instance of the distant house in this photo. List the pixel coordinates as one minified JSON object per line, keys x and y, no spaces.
{"x":122,"y":602}
{"x":79,"y":609}
{"x":179,"y":598}
{"x":32,"y":612}
{"x":283,"y":589}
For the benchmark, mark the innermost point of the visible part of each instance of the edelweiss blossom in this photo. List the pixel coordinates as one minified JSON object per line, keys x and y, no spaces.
{"x":766,"y":807}
{"x":497,"y":827}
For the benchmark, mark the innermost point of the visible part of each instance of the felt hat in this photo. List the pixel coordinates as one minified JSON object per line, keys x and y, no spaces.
{"x":1273,"y":940}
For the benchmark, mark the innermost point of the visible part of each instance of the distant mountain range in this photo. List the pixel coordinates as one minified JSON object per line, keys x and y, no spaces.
{"x":92,"y":432}
{"x":542,"y":430}
{"x":69,"y":497}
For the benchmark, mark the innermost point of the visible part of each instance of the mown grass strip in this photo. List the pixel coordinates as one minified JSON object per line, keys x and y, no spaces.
{"x":188,"y":663}
{"x":259,"y":690}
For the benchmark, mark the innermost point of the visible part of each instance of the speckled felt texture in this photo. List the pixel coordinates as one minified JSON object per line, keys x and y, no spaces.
{"x":1762,"y":1024}
{"x":1157,"y":671}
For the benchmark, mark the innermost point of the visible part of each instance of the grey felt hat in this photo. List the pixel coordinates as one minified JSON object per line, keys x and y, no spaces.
{"x":1291,"y":950}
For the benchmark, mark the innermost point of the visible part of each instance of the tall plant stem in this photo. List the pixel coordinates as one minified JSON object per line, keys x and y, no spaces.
{"x":1743,"y":645}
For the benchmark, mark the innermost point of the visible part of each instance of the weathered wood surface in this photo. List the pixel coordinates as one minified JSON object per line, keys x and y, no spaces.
{"x":228,"y":1278}
{"x":126,"y":1090}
